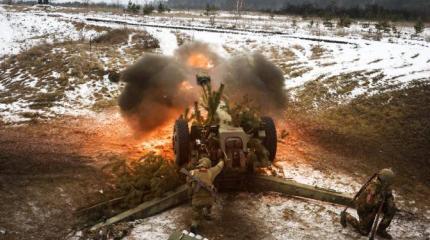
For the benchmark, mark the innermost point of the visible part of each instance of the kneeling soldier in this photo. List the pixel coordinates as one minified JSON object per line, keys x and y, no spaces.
{"x":376,"y":196}
{"x":202,"y":199}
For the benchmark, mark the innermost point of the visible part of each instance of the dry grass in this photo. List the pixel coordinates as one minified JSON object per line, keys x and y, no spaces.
{"x":298,"y":47}
{"x":317,"y":52}
{"x":40,"y":62}
{"x":116,"y":36}
{"x":298,"y":72}
{"x":327,"y":64}
{"x":374,"y":36}
{"x":341,"y":33}
{"x":293,"y":69}
{"x":391,"y":127}
{"x":80,"y":26}
{"x":42,"y":74}
{"x":182,"y":38}
{"x":143,"y":41}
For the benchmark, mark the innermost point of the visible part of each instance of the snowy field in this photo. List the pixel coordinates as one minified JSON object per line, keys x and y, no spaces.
{"x":274,"y":217}
{"x":304,"y":53}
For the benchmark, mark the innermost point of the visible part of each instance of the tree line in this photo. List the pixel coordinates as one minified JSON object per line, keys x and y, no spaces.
{"x":369,"y":9}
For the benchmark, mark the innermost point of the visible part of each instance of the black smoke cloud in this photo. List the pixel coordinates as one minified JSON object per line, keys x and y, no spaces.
{"x":255,"y":76}
{"x":152,"y":92}
{"x":155,"y":91}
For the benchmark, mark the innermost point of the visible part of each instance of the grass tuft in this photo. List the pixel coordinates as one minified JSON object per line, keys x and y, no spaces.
{"x":115,"y":36}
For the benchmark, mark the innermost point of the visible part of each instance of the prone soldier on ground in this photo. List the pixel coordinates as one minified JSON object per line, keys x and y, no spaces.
{"x":373,"y":199}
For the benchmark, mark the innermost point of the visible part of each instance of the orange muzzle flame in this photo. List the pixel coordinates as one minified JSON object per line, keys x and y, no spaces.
{"x":199,"y":60}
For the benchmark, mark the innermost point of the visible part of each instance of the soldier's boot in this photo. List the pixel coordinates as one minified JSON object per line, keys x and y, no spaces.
{"x":343,"y":219}
{"x":193,"y":229}
{"x":385,"y":222}
{"x":196,"y":219}
{"x":383,"y":234}
{"x":207,"y":213}
{"x":383,"y":225}
{"x":354,"y":223}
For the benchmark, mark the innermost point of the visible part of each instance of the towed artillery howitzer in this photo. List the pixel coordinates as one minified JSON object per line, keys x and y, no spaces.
{"x":215,"y":136}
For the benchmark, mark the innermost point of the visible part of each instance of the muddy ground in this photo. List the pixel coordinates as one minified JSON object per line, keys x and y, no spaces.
{"x":50,"y":169}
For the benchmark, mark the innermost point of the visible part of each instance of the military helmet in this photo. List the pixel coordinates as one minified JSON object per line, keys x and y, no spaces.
{"x":204,"y":163}
{"x":386,"y":176}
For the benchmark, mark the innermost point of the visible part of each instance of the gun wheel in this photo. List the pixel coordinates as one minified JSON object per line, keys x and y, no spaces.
{"x":181,"y":142}
{"x":270,"y":142}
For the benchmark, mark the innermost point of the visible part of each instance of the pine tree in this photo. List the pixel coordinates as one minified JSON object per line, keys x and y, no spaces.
{"x":419,"y":27}
{"x":161,"y":8}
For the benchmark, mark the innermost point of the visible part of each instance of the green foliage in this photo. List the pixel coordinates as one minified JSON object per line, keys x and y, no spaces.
{"x":383,"y":26}
{"x":294,"y":24}
{"x":327,"y":23}
{"x":368,"y":11}
{"x":212,"y":20}
{"x":145,"y":179}
{"x":148,"y":9}
{"x":210,"y":101}
{"x":244,"y":114}
{"x":419,"y":27}
{"x":344,"y":21}
{"x":161,"y":8}
{"x":210,"y":9}
{"x":132,"y":7}
{"x":272,"y":15}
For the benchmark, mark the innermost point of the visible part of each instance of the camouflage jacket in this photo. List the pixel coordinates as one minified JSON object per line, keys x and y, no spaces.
{"x":200,"y":195}
{"x":371,"y":197}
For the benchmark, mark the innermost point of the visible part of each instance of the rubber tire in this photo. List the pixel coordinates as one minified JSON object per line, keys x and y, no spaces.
{"x":270,"y":142}
{"x":181,"y":142}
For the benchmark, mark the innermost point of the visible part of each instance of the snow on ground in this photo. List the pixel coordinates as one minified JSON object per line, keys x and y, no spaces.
{"x":167,"y":40}
{"x":394,"y":62}
{"x":21,"y":30}
{"x":304,"y":53}
{"x":276,"y":217}
{"x":399,"y":59}
{"x":158,"y":227}
{"x":306,"y":174}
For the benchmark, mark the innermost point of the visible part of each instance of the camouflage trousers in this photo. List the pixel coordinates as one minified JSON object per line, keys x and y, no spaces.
{"x":259,"y":153}
{"x":200,"y":212}
{"x":366,"y":218}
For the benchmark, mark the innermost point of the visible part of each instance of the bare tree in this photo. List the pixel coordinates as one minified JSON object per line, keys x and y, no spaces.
{"x":239,"y":6}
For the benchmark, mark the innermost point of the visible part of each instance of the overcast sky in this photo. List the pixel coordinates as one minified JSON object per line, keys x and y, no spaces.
{"x":124,"y":2}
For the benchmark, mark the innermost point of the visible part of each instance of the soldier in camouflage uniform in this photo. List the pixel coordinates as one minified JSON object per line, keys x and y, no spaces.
{"x":368,"y":203}
{"x":258,"y":153}
{"x":250,"y":122}
{"x":202,"y":199}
